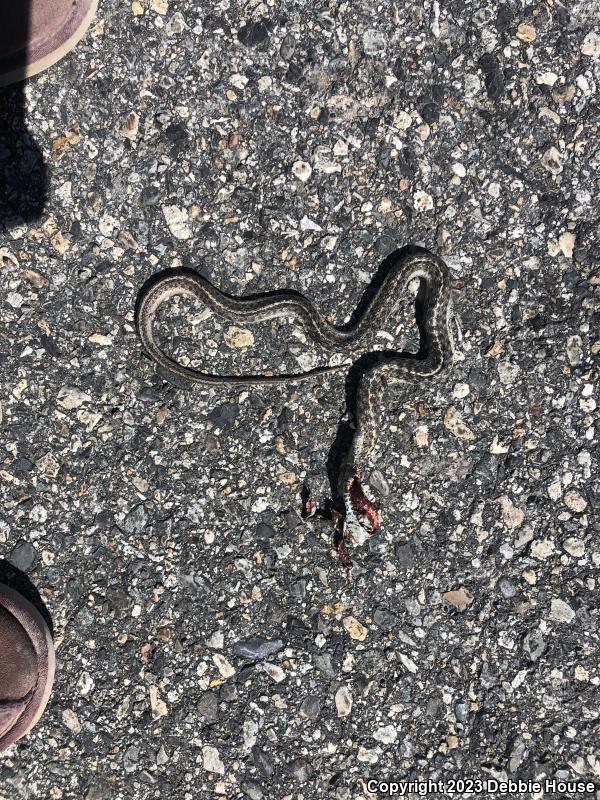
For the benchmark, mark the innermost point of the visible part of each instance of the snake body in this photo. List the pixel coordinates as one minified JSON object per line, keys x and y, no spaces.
{"x":437,"y":307}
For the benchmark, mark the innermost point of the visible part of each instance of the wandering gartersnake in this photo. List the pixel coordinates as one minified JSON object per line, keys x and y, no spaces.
{"x":360,"y":513}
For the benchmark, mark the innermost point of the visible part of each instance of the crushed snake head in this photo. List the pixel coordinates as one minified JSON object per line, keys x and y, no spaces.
{"x":362,"y":516}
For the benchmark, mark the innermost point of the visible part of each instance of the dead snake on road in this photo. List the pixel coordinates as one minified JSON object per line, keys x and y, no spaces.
{"x":360,"y":512}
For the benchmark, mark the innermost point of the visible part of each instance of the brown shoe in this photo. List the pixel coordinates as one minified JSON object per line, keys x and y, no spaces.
{"x":26,"y":666}
{"x":34,"y":34}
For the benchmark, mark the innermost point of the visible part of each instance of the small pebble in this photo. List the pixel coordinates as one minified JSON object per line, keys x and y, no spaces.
{"x":507,"y":588}
{"x":252,"y":790}
{"x":454,"y":422}
{"x":423,"y":201}
{"x":575,"y":502}
{"x":238,"y":337}
{"x":311,"y":707}
{"x":379,"y":483}
{"x":386,"y":734}
{"x":561,"y":611}
{"x":23,"y":555}
{"x":461,"y":598}
{"x":71,"y":720}
{"x":302,"y":170}
{"x":85,"y":684}
{"x":460,"y":390}
{"x":178,"y":221}
{"x":574,"y":547}
{"x":368,"y":756}
{"x":157,"y":704}
{"x":511,"y":515}
{"x":255,"y":648}
{"x":591,"y":44}
{"x":301,"y":770}
{"x":422,"y":436}
{"x":136,"y":520}
{"x":225,"y":668}
{"x":356,"y":629}
{"x":526,"y":33}
{"x":534,"y":644}
{"x":255,"y":32}
{"x":343,"y":701}
{"x":208,"y":707}
{"x":262,"y":762}
{"x":552,"y":161}
{"x":287,"y":47}
{"x":574,"y":350}
{"x":542,"y":549}
{"x":274,"y":672}
{"x":69,"y":398}
{"x":211,"y":760}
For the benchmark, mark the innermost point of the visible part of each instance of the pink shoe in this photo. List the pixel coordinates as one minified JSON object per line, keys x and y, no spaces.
{"x":34,"y":34}
{"x":26,"y":666}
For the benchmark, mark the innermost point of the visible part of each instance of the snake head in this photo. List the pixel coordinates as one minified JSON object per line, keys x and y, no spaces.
{"x":362,"y":516}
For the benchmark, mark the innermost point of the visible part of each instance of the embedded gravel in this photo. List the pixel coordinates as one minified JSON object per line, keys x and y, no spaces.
{"x":209,"y":643}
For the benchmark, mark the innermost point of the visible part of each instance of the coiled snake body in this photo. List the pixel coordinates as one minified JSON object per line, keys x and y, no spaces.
{"x":360,"y":513}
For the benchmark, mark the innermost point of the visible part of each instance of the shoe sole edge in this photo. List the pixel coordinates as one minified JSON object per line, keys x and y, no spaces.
{"x":29,"y":70}
{"x":38,"y":631}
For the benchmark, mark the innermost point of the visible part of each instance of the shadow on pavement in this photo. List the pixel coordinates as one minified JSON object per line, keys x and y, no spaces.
{"x":23,"y":174}
{"x":15,"y":579}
